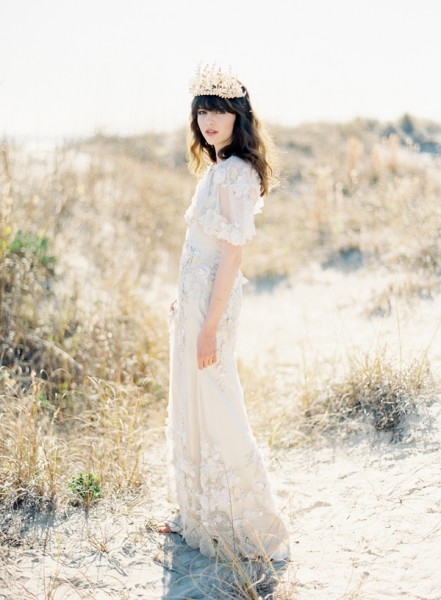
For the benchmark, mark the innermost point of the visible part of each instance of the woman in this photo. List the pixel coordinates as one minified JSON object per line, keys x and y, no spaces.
{"x":221,"y":483}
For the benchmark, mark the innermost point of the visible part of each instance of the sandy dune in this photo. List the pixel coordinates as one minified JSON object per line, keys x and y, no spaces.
{"x":364,"y":513}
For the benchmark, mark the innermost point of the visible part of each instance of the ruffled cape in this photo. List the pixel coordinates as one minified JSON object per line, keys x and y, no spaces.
{"x":233,"y":219}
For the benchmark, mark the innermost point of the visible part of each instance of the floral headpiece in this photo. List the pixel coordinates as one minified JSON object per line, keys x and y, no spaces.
{"x":212,"y":82}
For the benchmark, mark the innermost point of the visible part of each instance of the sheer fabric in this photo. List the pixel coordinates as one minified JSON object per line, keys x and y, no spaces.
{"x":222,"y":486}
{"x":226,"y":200}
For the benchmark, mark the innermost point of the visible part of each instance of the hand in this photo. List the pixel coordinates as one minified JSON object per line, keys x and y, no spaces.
{"x":206,"y":348}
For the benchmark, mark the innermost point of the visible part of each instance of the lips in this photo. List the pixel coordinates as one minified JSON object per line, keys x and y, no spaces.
{"x":210,"y":132}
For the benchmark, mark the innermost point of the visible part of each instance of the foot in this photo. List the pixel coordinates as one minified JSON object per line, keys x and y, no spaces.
{"x":164,"y":529}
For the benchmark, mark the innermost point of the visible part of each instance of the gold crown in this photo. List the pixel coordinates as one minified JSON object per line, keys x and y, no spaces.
{"x":212,"y":82}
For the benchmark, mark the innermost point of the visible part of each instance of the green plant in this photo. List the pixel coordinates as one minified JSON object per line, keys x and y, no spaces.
{"x":34,"y":245}
{"x":87,"y":487}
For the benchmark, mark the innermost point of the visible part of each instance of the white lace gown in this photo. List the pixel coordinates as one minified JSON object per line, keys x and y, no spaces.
{"x":222,"y":487}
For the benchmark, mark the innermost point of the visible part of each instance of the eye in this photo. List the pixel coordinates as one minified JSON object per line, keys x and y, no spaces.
{"x":221,"y":111}
{"x":201,"y":111}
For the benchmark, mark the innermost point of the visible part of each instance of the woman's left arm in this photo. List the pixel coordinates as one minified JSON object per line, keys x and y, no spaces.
{"x":226,"y":273}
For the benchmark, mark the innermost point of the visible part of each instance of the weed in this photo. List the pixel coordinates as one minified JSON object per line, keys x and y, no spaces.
{"x":87,"y":487}
{"x":33,"y":245}
{"x":374,"y":390}
{"x":410,"y":289}
{"x":379,"y":390}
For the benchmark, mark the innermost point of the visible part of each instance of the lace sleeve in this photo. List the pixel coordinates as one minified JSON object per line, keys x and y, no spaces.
{"x":226,"y":200}
{"x":238,"y":193}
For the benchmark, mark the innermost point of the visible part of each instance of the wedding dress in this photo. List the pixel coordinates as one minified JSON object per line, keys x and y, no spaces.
{"x":222,"y":487}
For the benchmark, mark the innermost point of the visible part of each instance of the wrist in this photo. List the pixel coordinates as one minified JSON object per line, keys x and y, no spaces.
{"x":210,"y":328}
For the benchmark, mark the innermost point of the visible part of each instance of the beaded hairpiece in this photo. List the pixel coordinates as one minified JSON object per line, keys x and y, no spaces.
{"x":212,"y":82}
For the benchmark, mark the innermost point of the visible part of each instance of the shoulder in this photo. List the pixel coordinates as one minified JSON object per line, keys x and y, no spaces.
{"x":236,"y":170}
{"x":235,"y":163}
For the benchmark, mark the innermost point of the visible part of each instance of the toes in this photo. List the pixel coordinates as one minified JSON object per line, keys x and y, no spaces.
{"x":164,"y":529}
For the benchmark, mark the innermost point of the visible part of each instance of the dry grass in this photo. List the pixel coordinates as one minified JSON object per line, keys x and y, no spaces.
{"x":376,"y":392}
{"x":230,"y":575}
{"x":359,"y":186}
{"x":43,"y":445}
{"x":413,"y":288}
{"x":83,"y":357}
{"x":253,"y":580}
{"x":362,"y":189}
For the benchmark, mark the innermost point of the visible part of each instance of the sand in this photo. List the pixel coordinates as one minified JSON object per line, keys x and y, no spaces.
{"x":364,"y":512}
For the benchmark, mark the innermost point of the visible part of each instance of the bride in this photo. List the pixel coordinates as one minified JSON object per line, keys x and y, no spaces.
{"x":222,"y":487}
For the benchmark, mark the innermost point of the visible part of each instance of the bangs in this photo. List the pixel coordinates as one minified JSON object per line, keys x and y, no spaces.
{"x":212,"y":103}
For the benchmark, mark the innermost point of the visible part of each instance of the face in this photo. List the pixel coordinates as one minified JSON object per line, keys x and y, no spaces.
{"x":216,"y":126}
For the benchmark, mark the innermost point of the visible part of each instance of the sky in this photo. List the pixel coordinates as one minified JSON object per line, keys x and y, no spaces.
{"x":73,"y":68}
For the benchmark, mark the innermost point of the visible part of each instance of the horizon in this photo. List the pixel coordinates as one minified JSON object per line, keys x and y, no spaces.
{"x":43,"y":139}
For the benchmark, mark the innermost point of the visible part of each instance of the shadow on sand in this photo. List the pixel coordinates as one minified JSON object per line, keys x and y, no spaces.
{"x":190,"y":575}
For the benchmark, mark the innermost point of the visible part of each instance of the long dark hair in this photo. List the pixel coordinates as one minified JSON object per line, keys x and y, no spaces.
{"x":249,"y":140}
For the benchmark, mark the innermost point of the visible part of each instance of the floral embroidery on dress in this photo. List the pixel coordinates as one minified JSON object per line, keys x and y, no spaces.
{"x":221,"y":483}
